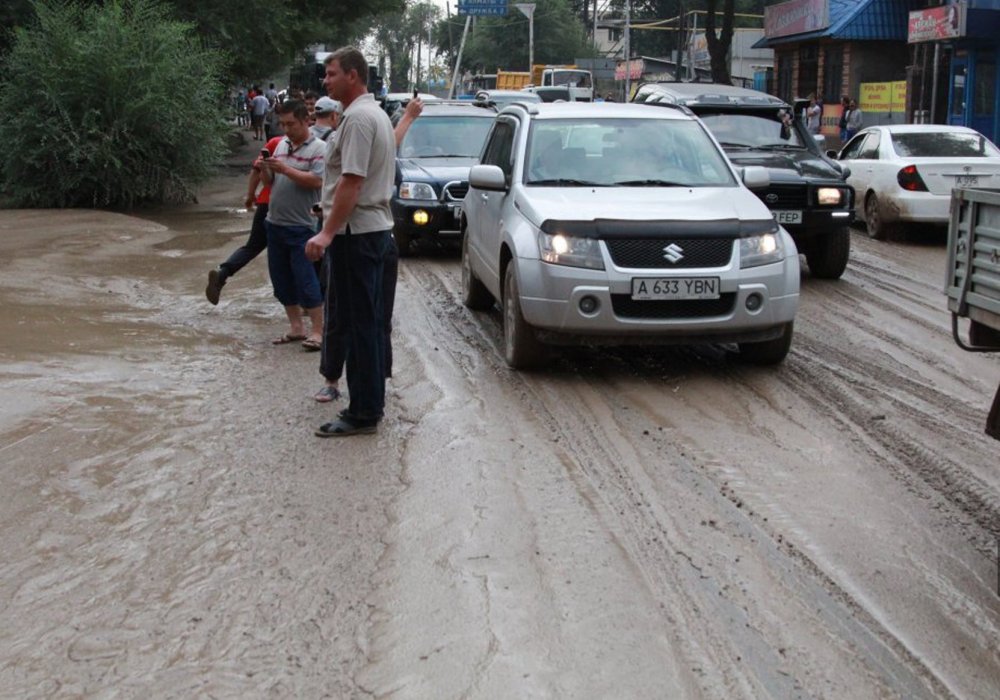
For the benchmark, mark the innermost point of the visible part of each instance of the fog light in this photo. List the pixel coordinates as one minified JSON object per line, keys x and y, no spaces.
{"x":754,"y":302}
{"x":420,"y":217}
{"x":588,"y":304}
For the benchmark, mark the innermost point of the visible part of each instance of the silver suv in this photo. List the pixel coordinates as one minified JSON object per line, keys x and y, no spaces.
{"x":607,"y":223}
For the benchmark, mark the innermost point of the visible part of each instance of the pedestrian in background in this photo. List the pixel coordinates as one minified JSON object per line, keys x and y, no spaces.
{"x":855,"y":117}
{"x":358,"y":182}
{"x":814,"y":114}
{"x":258,"y":112}
{"x":845,"y":107}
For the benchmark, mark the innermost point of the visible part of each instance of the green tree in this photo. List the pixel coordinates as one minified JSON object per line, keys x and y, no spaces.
{"x":502,"y":42}
{"x":397,"y":34}
{"x":108,"y":105}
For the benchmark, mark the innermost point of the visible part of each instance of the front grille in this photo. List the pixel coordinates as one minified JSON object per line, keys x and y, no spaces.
{"x":626,"y":307}
{"x":649,"y":252}
{"x":455,"y":191}
{"x":785,"y":197}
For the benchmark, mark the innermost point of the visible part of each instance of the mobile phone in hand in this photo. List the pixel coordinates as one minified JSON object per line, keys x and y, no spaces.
{"x":414,"y":92}
{"x":265,"y":154}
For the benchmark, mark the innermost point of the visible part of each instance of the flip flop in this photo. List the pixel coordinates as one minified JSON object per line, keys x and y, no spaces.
{"x":327,"y":394}
{"x":287,"y":338}
{"x":311,"y":345}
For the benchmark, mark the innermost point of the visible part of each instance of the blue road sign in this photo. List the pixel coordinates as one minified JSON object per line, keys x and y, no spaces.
{"x":482,"y":8}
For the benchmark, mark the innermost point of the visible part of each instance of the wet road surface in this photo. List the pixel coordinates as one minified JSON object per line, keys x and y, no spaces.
{"x":628,"y":523}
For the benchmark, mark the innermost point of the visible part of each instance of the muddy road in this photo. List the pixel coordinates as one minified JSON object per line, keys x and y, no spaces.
{"x":627,"y":524}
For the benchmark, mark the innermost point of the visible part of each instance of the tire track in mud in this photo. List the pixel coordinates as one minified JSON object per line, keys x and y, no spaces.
{"x":850,"y":398}
{"x":708,"y":619}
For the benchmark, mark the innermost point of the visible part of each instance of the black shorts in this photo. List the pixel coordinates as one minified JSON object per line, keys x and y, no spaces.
{"x":256,"y":119}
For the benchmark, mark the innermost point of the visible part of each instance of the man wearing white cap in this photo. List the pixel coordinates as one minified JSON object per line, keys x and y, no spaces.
{"x":327,"y":112}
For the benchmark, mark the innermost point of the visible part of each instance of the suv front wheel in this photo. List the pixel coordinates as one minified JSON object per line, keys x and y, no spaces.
{"x":768,"y":352}
{"x":521,"y":348}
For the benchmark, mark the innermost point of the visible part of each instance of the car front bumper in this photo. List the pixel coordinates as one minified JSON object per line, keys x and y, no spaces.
{"x":551,"y":296}
{"x":444,"y":218}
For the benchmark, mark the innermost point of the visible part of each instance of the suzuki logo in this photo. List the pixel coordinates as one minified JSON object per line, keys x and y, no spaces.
{"x":673,"y":252}
{"x":771,"y":198}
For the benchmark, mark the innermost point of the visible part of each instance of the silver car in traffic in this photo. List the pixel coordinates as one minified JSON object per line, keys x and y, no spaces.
{"x":599,"y":223}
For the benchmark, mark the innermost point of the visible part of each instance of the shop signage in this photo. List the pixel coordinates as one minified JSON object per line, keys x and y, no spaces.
{"x":796,"y":17}
{"x":883,"y":97}
{"x":937,"y":23}
{"x":636,"y":68}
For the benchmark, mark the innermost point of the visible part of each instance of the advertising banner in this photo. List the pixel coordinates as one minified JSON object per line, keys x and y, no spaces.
{"x":937,"y":23}
{"x":883,"y":97}
{"x":636,"y":67}
{"x":796,"y":17}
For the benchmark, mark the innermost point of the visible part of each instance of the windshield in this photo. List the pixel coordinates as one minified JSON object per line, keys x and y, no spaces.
{"x":753,"y":129}
{"x":434,"y":137}
{"x":573,"y":78}
{"x":943,"y":144}
{"x":623,"y":153}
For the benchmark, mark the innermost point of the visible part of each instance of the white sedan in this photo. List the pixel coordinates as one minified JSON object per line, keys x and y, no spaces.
{"x":906,"y":173}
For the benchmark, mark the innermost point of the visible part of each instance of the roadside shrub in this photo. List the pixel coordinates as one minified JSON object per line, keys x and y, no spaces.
{"x":108,"y":105}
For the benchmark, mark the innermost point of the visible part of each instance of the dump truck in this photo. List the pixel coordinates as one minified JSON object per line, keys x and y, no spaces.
{"x":512,"y":79}
{"x":580,"y":82}
{"x":973,"y":283}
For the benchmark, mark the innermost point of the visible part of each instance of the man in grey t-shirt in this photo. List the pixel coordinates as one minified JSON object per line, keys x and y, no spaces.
{"x":357,"y":224}
{"x":295,"y":174}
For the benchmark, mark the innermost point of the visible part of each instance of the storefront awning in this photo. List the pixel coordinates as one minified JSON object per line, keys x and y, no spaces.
{"x":846,"y":20}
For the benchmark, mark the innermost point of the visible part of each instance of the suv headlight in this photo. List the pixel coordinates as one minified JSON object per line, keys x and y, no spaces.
{"x":830,"y":196}
{"x":416,"y":190}
{"x":761,"y":250}
{"x":569,"y":250}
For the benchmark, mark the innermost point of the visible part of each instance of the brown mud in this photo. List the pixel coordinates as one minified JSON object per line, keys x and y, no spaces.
{"x":628,"y":523}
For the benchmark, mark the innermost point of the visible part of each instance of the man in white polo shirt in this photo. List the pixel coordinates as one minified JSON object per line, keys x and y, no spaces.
{"x":357,"y":222}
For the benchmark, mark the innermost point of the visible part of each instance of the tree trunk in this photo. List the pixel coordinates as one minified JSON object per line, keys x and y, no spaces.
{"x":719,"y":44}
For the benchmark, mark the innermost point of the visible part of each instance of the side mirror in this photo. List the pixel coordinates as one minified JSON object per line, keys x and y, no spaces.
{"x":488,"y":177}
{"x":755,"y":177}
{"x":831,"y":154}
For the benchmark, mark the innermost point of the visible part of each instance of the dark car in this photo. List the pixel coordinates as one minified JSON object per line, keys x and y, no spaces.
{"x":808,"y":194}
{"x":432,"y":170}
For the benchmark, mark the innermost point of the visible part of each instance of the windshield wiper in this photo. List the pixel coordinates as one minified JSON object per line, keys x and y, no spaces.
{"x":769,"y":146}
{"x":649,"y":183}
{"x":567,"y":182}
{"x":732,"y":144}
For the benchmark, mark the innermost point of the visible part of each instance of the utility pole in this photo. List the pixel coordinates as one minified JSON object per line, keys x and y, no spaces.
{"x":528,"y":10}
{"x":458,"y":61}
{"x":628,"y":50}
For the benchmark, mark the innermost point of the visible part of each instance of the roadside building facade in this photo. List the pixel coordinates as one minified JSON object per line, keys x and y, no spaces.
{"x":904,"y":61}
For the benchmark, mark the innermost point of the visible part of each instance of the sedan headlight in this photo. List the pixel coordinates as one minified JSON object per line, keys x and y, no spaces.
{"x":761,"y":250}
{"x":829,"y":196}
{"x":416,"y":190}
{"x":559,"y":249}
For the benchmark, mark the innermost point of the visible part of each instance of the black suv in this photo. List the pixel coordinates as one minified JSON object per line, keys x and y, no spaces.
{"x":808,"y":194}
{"x":432,"y":170}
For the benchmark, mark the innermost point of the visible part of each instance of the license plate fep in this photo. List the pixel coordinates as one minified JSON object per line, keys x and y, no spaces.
{"x":788,"y":217}
{"x":966,"y":180}
{"x":660,"y":288}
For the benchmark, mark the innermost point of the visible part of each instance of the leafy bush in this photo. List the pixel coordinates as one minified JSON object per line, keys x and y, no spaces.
{"x":108,"y":105}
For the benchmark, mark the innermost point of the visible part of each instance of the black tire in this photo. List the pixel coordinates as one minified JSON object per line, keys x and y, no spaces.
{"x":475,"y":295}
{"x":827,"y":255}
{"x":404,"y":241}
{"x":768,"y":352}
{"x":521,"y":348}
{"x":877,"y":228}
